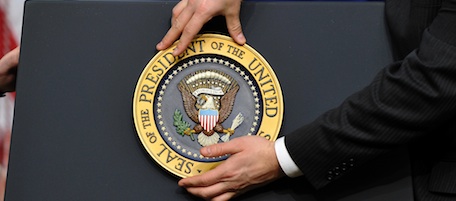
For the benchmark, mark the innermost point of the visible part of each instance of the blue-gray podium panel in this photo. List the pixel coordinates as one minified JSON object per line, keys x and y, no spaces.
{"x":73,"y":135}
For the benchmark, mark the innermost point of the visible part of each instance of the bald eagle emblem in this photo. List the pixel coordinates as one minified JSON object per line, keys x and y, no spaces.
{"x":208,"y":97}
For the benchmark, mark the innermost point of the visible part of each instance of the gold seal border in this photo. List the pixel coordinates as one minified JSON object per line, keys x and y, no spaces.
{"x":163,"y":61}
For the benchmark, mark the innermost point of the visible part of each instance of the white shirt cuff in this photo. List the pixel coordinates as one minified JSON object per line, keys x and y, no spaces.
{"x":287,"y":164}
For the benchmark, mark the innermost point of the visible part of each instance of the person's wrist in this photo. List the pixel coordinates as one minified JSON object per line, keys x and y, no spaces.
{"x":286,"y":163}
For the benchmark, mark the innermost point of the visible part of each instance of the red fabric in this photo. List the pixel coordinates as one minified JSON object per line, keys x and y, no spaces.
{"x":7,"y":40}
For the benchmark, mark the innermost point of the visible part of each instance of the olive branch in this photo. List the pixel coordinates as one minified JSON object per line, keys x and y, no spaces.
{"x":182,"y":127}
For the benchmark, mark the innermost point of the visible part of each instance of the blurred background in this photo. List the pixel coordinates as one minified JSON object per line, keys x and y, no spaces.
{"x":10,"y":30}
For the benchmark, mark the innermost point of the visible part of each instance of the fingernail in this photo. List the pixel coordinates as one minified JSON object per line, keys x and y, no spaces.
{"x":206,"y":151}
{"x":175,"y":51}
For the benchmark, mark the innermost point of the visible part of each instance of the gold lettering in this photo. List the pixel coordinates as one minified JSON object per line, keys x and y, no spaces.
{"x":152,"y":78}
{"x":271,"y":111}
{"x":236,"y":51}
{"x":145,"y":119}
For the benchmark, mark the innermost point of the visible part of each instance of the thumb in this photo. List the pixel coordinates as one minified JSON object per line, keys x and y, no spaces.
{"x":233,"y":24}
{"x":221,"y":149}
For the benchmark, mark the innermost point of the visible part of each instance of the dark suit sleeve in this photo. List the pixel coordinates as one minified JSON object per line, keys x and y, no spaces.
{"x":406,"y":101}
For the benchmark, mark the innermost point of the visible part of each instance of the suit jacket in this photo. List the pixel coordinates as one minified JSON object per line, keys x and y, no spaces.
{"x":411,"y":102}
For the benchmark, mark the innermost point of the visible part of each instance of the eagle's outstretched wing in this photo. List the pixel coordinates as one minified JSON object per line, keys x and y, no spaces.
{"x":227,"y":103}
{"x":189,"y":103}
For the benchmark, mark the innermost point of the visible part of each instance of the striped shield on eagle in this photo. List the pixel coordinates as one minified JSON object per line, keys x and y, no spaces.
{"x":208,"y":118}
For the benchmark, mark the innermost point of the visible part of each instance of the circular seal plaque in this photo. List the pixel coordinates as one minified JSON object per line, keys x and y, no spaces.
{"x":215,"y":91}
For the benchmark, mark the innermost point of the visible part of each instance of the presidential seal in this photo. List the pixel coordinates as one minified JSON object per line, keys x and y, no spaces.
{"x":213,"y":92}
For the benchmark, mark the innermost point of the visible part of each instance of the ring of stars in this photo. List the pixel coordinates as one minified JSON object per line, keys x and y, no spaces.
{"x":188,"y":64}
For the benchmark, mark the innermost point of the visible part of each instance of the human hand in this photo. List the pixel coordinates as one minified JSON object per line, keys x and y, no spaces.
{"x":189,"y":16}
{"x":8,"y":70}
{"x":252,"y":163}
